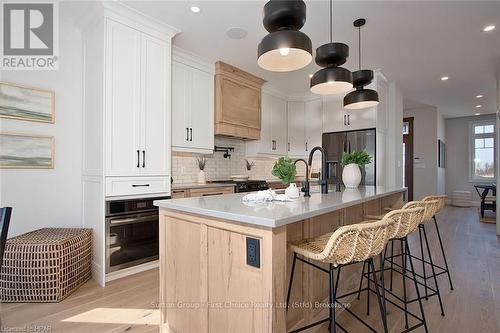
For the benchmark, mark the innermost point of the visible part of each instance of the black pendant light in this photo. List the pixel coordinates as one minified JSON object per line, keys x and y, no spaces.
{"x":332,"y":79}
{"x":361,"y":98}
{"x":285,"y":48}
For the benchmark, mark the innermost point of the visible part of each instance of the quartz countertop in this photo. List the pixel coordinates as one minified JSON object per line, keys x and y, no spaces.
{"x":275,"y":214}
{"x":188,"y":186}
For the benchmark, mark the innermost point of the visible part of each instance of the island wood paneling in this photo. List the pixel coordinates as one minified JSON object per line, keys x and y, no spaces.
{"x":203,"y":264}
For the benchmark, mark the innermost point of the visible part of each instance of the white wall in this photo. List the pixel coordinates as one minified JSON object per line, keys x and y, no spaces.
{"x":43,"y":198}
{"x":457,"y":154}
{"x":425,"y":179}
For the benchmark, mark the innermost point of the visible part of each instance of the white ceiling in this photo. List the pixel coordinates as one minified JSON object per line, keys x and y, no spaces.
{"x":413,"y":42}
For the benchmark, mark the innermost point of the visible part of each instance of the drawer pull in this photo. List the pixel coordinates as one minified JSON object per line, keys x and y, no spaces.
{"x":140,"y":185}
{"x":209,"y":194}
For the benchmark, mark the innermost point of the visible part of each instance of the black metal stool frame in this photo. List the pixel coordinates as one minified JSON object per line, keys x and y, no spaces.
{"x":333,"y":297}
{"x":405,"y":256}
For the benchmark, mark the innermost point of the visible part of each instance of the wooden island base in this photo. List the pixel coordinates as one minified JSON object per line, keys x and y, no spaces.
{"x":206,"y":284}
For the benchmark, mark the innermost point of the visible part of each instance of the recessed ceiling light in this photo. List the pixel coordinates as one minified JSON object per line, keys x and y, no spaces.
{"x":479,"y":96}
{"x":477,"y":114}
{"x":444,"y":78}
{"x":489,"y":28}
{"x":311,"y":75}
{"x":195,"y":9}
{"x":478,"y":106}
{"x":236,"y":33}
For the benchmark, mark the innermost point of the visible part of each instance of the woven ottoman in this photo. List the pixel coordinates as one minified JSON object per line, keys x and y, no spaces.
{"x":45,"y":265}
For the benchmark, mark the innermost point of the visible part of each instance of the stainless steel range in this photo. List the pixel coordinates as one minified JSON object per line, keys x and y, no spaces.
{"x":247,"y":185}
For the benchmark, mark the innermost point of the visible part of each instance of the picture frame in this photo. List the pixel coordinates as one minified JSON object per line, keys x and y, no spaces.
{"x":27,"y":103}
{"x":22,"y":151}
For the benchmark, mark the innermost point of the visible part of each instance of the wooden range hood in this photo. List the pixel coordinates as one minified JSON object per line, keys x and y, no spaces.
{"x":237,"y":102}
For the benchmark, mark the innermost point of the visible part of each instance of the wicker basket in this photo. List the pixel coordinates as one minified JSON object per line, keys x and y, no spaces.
{"x":45,"y":265}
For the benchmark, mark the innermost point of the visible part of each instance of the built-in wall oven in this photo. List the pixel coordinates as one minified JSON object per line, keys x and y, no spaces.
{"x":131,"y":232}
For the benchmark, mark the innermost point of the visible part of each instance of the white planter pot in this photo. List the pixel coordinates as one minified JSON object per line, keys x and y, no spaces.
{"x":202,"y":179}
{"x":292,"y":191}
{"x":351,"y":175}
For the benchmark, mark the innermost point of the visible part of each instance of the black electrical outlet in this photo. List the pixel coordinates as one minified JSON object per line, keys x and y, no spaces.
{"x":253,"y":252}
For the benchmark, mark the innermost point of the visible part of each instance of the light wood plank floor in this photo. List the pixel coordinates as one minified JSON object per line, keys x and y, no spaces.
{"x":128,"y":305}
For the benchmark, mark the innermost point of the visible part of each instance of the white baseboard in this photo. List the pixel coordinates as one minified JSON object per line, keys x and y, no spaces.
{"x":132,"y":270}
{"x":98,"y":273}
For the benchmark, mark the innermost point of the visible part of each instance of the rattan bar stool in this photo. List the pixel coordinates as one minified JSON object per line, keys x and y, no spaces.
{"x":407,"y":220}
{"x":345,"y":246}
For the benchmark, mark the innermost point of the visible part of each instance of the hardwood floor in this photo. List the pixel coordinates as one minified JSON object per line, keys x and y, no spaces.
{"x":128,"y":305}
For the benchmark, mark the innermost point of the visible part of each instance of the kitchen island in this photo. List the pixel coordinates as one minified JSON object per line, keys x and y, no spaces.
{"x":224,"y":264}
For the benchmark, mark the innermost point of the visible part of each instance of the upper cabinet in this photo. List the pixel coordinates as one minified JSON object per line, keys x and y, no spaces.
{"x":137,"y":84}
{"x":273,"y":135}
{"x":313,"y":124}
{"x":237,"y":102}
{"x":296,"y":129}
{"x":192,"y":104}
{"x":336,"y":118}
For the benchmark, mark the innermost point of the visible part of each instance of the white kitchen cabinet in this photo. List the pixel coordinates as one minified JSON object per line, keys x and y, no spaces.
{"x":313,"y":124}
{"x":273,"y":133}
{"x":137,"y":102}
{"x":337,"y":119}
{"x":192,"y":104}
{"x":296,"y":129}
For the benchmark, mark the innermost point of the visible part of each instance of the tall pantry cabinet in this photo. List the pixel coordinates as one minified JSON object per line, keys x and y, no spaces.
{"x":127,"y":113}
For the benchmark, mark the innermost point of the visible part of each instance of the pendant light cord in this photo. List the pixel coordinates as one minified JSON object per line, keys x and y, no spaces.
{"x":359,"y":47}
{"x":331,"y":21}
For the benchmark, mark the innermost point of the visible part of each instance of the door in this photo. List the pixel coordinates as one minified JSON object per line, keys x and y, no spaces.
{"x":408,"y":156}
{"x":314,"y":124}
{"x":278,"y":128}
{"x":201,"y":95}
{"x":335,"y":146}
{"x":123,"y":104}
{"x":156,"y":111}
{"x":266,"y":144}
{"x":180,"y":104}
{"x":364,"y":141}
{"x":296,"y":129}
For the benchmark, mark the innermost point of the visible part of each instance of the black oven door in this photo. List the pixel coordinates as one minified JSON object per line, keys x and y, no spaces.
{"x":131,"y":240}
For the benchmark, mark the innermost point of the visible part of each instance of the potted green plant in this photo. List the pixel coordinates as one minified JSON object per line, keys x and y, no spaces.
{"x":285,"y":170}
{"x":351,"y":175}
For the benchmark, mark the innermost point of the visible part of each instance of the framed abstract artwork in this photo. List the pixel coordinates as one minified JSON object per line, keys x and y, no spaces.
{"x":26,"y":151}
{"x":25,"y":103}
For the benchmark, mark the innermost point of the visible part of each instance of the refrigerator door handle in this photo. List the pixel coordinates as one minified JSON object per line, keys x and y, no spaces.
{"x":348,"y":120}
{"x":349,"y":147}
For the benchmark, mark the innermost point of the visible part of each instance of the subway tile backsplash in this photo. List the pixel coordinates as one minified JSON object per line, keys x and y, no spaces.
{"x":185,"y":169}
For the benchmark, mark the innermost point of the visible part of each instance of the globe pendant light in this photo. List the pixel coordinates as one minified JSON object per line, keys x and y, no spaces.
{"x":361,"y":98}
{"x":285,"y":48}
{"x":332,"y":79}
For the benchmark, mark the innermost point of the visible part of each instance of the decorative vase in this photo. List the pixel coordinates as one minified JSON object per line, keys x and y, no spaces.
{"x":292,"y":191}
{"x":351,"y":175}
{"x":202,"y":179}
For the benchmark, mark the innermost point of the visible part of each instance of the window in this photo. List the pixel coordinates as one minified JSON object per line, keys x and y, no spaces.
{"x":482,"y":151}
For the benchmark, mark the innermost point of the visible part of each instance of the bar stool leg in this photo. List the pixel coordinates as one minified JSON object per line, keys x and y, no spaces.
{"x":423,"y":260}
{"x":361,"y":281}
{"x":330,"y":297}
{"x":379,"y":297}
{"x":442,"y":251}
{"x":291,"y":280}
{"x":382,"y":284}
{"x":392,"y":262}
{"x":416,"y":285}
{"x":368,"y":291}
{"x":433,"y":271}
{"x":403,"y":263}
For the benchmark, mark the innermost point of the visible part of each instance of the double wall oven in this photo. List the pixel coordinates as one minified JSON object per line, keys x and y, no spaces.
{"x":131,"y":232}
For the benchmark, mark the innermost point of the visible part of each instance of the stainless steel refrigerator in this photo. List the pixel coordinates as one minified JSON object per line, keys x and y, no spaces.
{"x":337,"y":143}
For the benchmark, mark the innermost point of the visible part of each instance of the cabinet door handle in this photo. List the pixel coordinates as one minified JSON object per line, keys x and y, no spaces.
{"x":306,"y":146}
{"x":349,"y":147}
{"x":190,"y":134}
{"x":140,"y":185}
{"x":187,"y":134}
{"x":348,"y":120}
{"x":288,"y":146}
{"x":143,"y":158}
{"x":209,"y":194}
{"x":138,"y":159}
{"x":345,"y":121}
